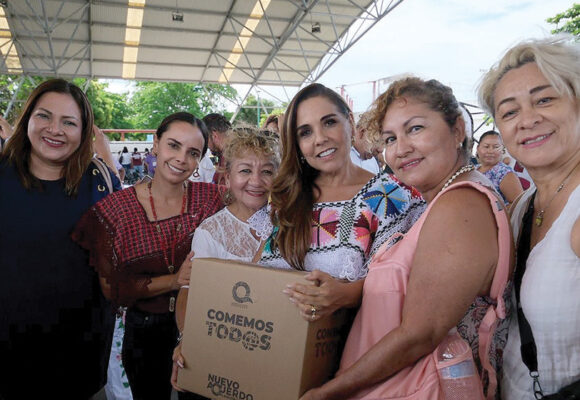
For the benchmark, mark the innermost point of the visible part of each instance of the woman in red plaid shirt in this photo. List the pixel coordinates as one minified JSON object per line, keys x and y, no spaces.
{"x":138,"y":240}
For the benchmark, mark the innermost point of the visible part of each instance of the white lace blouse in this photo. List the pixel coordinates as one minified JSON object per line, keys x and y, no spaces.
{"x":224,"y":236}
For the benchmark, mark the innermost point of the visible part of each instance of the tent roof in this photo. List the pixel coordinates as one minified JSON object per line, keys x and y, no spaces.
{"x":263,"y":42}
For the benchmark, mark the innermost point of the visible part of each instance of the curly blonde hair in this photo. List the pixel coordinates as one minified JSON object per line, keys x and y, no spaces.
{"x":246,"y":138}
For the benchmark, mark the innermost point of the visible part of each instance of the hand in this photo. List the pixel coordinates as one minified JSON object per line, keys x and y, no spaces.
{"x":178,"y":362}
{"x":181,"y":278}
{"x":100,"y":143}
{"x":5,"y":129}
{"x":325,"y":295}
{"x":312,"y":394}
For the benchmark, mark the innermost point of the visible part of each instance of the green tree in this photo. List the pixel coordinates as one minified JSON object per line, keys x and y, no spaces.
{"x":153,"y":101}
{"x":19,"y":85}
{"x":249,"y":111}
{"x":570,"y":20}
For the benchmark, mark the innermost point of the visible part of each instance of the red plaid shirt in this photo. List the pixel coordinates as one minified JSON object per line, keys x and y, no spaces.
{"x":126,"y":248}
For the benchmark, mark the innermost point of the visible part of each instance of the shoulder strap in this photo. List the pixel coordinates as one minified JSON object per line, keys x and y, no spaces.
{"x":102,"y":167}
{"x":528,"y":347}
{"x":499,"y":283}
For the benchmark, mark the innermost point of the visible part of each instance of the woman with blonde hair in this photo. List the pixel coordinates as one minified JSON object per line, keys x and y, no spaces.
{"x":533,"y":93}
{"x":251,"y":162}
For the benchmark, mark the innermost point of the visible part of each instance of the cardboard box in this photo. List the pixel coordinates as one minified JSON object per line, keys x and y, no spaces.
{"x":244,"y":340}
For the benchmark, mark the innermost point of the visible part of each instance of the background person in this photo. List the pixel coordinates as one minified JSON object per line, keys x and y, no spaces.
{"x":251,"y":160}
{"x":429,"y":282}
{"x":489,"y":154}
{"x":53,"y":317}
{"x":533,"y":93}
{"x":362,"y":152}
{"x":137,"y":162}
{"x":272,"y":123}
{"x":138,"y":240}
{"x":5,"y":132}
{"x":125,"y":160}
{"x":353,"y":212}
{"x":150,"y":163}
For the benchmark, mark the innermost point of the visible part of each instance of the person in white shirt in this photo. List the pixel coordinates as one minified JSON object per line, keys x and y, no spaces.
{"x":361,"y":149}
{"x":251,"y":161}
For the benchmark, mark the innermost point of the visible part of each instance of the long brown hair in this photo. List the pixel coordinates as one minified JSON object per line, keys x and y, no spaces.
{"x":293,"y":189}
{"x":18,"y":148}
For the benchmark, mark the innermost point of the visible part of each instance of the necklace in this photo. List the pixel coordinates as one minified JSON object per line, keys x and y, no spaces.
{"x":164,"y":241}
{"x":462,"y":170}
{"x":540,"y":217}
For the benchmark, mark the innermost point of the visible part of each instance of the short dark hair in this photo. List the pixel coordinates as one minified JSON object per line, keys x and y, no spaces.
{"x":184,"y":117}
{"x":216,"y":122}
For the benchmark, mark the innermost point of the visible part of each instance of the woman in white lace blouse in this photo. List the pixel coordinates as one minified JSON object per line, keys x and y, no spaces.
{"x":252,"y":159}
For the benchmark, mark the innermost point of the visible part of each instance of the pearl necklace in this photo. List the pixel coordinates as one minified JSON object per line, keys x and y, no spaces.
{"x":465,"y":168}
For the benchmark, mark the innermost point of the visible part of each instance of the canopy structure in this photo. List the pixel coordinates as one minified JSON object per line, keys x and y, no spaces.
{"x":263,"y":42}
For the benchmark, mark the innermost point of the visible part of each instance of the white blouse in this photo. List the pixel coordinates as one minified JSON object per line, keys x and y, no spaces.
{"x":224,"y":236}
{"x":550,"y":299}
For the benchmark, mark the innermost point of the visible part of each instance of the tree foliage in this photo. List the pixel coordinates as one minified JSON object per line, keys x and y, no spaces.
{"x":570,"y":20}
{"x":145,"y":109}
{"x":153,"y":101}
{"x":249,"y":112}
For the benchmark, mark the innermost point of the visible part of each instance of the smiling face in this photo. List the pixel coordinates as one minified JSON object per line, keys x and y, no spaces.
{"x":249,"y":179}
{"x":323,"y":135}
{"x":421,"y":148}
{"x":539,"y":126}
{"x":490,"y":150}
{"x":178,"y":151}
{"x":54,"y":130}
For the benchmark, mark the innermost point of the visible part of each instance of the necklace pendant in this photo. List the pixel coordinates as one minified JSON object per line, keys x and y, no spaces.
{"x":178,"y":227}
{"x":539,"y":218}
{"x":158,"y":228}
{"x":171,"y":268}
{"x":171,"y":304}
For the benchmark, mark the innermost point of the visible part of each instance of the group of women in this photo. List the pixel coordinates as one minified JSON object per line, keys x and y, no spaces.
{"x":426,"y":256}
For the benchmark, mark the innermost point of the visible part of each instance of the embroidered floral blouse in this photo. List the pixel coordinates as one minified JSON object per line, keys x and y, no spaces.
{"x":346,"y":233}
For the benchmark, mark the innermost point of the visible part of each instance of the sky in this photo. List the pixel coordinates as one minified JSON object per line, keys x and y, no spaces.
{"x":454,"y":41}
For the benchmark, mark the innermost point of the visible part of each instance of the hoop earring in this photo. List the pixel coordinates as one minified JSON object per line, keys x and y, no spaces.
{"x":196,"y":172}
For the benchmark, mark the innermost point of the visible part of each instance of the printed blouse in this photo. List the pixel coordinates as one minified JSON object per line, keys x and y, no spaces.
{"x":345,"y":234}
{"x":496,"y":175}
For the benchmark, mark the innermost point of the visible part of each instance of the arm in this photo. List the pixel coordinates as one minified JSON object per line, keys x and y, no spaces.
{"x":103,"y":150}
{"x":171,"y":282}
{"x":449,"y":270}
{"x":511,"y":187}
{"x":5,"y":129}
{"x":327,"y":295}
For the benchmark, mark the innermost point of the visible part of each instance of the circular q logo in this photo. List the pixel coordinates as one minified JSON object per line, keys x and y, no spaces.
{"x":241,"y":292}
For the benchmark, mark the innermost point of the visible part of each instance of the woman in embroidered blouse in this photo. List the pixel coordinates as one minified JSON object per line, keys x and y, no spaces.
{"x":439,"y":276}
{"x":489,"y":154}
{"x":251,"y":162}
{"x":52,"y":312}
{"x":533,"y":94}
{"x":353,"y":212}
{"x":140,"y":237}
